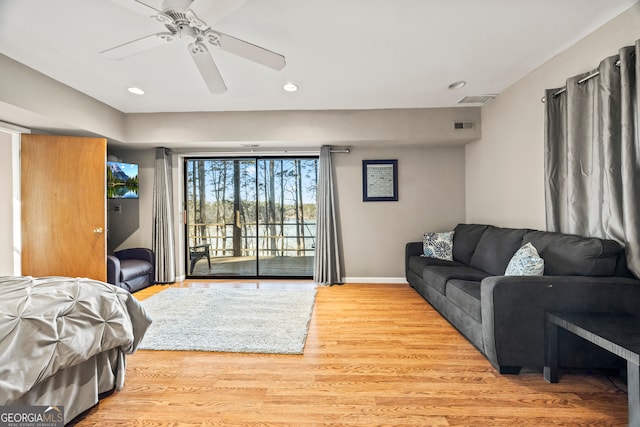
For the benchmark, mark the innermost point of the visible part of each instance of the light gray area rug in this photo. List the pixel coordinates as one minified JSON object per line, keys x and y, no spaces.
{"x":229,"y":320}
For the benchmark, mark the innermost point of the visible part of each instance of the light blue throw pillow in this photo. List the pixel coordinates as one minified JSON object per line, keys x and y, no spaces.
{"x":525,"y":262}
{"x":438,"y":245}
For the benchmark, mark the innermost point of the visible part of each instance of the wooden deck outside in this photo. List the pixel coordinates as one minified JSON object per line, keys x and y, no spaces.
{"x":375,"y":355}
{"x":286,"y":266}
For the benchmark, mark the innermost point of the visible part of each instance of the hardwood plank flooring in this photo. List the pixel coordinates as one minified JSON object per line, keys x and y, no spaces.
{"x":375,"y":355}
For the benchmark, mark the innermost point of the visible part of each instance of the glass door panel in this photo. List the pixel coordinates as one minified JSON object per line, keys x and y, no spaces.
{"x":287,"y":213}
{"x":221,"y":217}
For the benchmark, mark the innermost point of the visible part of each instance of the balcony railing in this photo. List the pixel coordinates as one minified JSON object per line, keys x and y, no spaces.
{"x":219,"y":238}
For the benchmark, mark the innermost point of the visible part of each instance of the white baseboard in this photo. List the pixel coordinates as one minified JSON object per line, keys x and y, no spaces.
{"x":385,"y":280}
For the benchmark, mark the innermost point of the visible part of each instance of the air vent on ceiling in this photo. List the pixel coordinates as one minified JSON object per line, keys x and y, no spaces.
{"x":477,"y":99}
{"x":463,"y":125}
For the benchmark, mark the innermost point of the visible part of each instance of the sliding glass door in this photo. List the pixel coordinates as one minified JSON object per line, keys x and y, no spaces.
{"x":250,"y":217}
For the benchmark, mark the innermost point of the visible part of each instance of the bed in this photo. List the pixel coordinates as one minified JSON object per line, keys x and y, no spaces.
{"x":63,"y":341}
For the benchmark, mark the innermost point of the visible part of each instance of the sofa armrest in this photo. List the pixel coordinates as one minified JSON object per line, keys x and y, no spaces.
{"x":411,"y":249}
{"x":514,"y":307}
{"x":113,"y":270}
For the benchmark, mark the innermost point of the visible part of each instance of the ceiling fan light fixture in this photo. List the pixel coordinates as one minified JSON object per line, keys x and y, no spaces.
{"x":290,"y":87}
{"x":135,"y":90}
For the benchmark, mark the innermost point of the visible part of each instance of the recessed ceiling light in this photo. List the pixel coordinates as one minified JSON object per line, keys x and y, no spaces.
{"x":290,"y":87}
{"x":136,"y":90}
{"x":457,"y":85}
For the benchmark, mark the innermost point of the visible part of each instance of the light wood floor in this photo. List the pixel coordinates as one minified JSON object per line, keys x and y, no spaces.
{"x":375,"y":355}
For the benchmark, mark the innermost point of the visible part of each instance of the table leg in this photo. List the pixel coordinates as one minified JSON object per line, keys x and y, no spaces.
{"x":633,"y":387}
{"x":550,"y":352}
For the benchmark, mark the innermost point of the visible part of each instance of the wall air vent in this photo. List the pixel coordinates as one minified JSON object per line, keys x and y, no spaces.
{"x":478,"y":99}
{"x":463,"y":125}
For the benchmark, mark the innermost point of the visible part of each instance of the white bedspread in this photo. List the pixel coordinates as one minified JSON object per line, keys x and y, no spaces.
{"x":50,"y":323}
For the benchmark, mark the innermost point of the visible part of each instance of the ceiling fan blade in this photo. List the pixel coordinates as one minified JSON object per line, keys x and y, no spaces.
{"x":213,"y":11}
{"x":144,"y":4}
{"x":207,"y":68}
{"x":131,"y":48}
{"x":138,"y":6}
{"x":246,"y":50}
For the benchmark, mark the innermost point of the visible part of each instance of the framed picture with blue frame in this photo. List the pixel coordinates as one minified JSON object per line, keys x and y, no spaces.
{"x":380,"y":180}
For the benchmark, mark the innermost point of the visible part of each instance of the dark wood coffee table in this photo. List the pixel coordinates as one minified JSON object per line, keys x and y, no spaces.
{"x":617,"y":333}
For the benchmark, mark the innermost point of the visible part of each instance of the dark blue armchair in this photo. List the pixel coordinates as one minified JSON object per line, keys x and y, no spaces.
{"x":132,"y":269}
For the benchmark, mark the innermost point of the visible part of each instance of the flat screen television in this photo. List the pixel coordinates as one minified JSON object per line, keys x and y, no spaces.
{"x":122,"y":180}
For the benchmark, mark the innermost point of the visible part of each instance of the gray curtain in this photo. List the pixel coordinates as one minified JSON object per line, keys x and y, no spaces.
{"x":163,"y":236}
{"x":592,"y":154}
{"x":327,"y":255}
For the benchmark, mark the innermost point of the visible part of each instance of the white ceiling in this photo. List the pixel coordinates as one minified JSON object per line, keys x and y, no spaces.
{"x":343,"y":54}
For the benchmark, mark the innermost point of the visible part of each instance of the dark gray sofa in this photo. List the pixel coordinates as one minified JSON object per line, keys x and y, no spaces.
{"x":503,"y":316}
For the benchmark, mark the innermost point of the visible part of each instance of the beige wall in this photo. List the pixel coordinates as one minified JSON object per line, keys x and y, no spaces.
{"x":7,"y":223}
{"x":374,"y":234}
{"x":431,"y":198}
{"x":303,"y":129}
{"x":504,"y":169}
{"x":32,"y":100}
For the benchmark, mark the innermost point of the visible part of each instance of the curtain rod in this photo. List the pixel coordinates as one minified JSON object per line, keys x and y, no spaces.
{"x":257,"y":153}
{"x":584,"y":79}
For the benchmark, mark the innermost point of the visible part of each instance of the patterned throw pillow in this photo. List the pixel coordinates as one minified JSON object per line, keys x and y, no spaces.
{"x":525,"y":262}
{"x":438,"y":245}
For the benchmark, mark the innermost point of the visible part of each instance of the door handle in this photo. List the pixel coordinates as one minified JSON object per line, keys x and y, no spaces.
{"x":98,"y":230}
{"x":238,"y":218}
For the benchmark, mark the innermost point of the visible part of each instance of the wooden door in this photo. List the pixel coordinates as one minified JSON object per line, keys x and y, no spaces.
{"x":63,"y":206}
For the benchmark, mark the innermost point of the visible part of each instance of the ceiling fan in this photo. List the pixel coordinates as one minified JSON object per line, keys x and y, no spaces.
{"x":183,"y":24}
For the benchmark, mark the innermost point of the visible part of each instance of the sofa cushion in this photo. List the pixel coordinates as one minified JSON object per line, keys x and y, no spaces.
{"x":466,"y":295}
{"x":571,"y":255}
{"x":438,"y":245}
{"x":525,"y":262}
{"x":418,"y":263}
{"x":465,"y":240}
{"x":437,"y":276}
{"x":495,"y":249}
{"x":132,"y":268}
